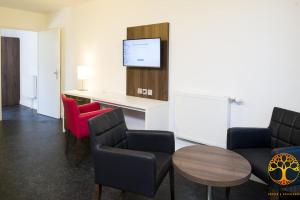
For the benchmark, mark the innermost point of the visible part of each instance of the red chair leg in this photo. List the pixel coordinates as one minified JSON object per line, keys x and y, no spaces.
{"x":78,"y":152}
{"x":67,"y":137}
{"x":99,"y":192}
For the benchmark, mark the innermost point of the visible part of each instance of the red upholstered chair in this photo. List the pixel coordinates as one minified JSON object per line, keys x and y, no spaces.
{"x":77,"y":116}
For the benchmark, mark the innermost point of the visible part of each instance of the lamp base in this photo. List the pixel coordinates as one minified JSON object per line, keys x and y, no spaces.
{"x":82,"y":88}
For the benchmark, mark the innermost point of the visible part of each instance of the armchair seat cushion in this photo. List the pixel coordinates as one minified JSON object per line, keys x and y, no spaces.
{"x":259,"y":159}
{"x":163,"y":163}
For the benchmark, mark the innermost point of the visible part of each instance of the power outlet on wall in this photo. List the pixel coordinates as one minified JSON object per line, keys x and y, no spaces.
{"x":145,"y":91}
{"x":149,"y":92}
{"x":140,"y":91}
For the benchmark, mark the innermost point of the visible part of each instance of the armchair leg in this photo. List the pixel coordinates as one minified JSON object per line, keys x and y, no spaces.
{"x":227,"y":192}
{"x":171,"y":176}
{"x":67,"y":142}
{"x":99,"y":192}
{"x":78,"y":152}
{"x":122,"y":195}
{"x":67,"y":137}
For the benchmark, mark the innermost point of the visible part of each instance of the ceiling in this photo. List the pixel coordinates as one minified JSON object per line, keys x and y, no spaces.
{"x":41,"y":6}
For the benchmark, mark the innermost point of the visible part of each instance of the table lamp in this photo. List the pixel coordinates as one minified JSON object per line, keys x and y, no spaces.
{"x":82,"y":75}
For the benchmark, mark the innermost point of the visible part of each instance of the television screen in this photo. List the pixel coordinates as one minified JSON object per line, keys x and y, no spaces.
{"x":141,"y":53}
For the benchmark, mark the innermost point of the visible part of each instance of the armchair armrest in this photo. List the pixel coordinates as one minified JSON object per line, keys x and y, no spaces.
{"x":125,"y":169}
{"x":248,"y":138}
{"x":89,"y":107}
{"x":146,"y":140}
{"x":86,"y":116}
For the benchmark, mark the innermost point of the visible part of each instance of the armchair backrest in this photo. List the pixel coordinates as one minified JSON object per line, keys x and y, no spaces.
{"x":71,"y":112}
{"x":109,"y":129}
{"x":285,"y":126}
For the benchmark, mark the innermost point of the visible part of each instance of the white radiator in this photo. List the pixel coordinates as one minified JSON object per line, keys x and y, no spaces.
{"x":201,"y":118}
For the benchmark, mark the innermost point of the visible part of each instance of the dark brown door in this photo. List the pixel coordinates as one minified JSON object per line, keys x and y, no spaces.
{"x":10,"y":71}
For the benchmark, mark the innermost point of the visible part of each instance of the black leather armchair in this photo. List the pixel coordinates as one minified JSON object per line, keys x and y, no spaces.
{"x":130,"y":160}
{"x":259,"y":145}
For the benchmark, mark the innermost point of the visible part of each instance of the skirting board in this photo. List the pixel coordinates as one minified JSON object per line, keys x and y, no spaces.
{"x":180,"y":143}
{"x":28,"y":103}
{"x":256,"y":179}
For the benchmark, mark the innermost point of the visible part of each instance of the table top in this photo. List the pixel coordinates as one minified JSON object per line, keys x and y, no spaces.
{"x":212,"y":166}
{"x":135,"y":103}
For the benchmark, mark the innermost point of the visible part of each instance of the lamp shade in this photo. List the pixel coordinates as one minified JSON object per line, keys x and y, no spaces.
{"x":82,"y":72}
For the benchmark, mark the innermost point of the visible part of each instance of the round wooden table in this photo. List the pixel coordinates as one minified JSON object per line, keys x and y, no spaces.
{"x":211,"y":166}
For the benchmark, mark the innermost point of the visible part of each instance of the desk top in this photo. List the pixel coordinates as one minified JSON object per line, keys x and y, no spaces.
{"x":212,"y":166}
{"x":119,"y":100}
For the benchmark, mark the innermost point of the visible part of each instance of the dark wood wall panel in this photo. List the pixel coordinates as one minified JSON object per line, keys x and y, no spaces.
{"x":156,"y":79}
{"x":79,"y":100}
{"x":10,"y":71}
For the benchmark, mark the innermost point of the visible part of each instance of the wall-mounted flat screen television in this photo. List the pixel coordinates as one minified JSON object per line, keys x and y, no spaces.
{"x":142,"y":53}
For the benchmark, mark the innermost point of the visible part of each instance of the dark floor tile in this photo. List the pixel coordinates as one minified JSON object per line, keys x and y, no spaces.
{"x":33,"y":166}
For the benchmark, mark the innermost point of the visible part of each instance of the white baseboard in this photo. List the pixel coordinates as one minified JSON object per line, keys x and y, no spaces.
{"x":179,"y":143}
{"x":27,"y":103}
{"x":256,"y":179}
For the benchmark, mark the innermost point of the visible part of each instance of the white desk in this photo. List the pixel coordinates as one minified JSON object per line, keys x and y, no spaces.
{"x":140,"y":113}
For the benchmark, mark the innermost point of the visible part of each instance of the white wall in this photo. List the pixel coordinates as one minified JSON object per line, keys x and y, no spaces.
{"x":28,"y":63}
{"x":19,"y":19}
{"x":62,"y":20}
{"x":242,"y":48}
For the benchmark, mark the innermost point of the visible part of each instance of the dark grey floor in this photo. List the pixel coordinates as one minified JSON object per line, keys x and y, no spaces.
{"x":33,"y":166}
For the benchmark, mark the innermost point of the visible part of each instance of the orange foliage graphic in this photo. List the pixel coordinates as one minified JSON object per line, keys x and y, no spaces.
{"x":283,"y":162}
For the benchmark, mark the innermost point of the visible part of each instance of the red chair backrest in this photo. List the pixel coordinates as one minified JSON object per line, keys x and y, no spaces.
{"x":71,"y":113}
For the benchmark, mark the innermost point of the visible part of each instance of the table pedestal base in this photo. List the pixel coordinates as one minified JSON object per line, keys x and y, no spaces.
{"x":209,"y":192}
